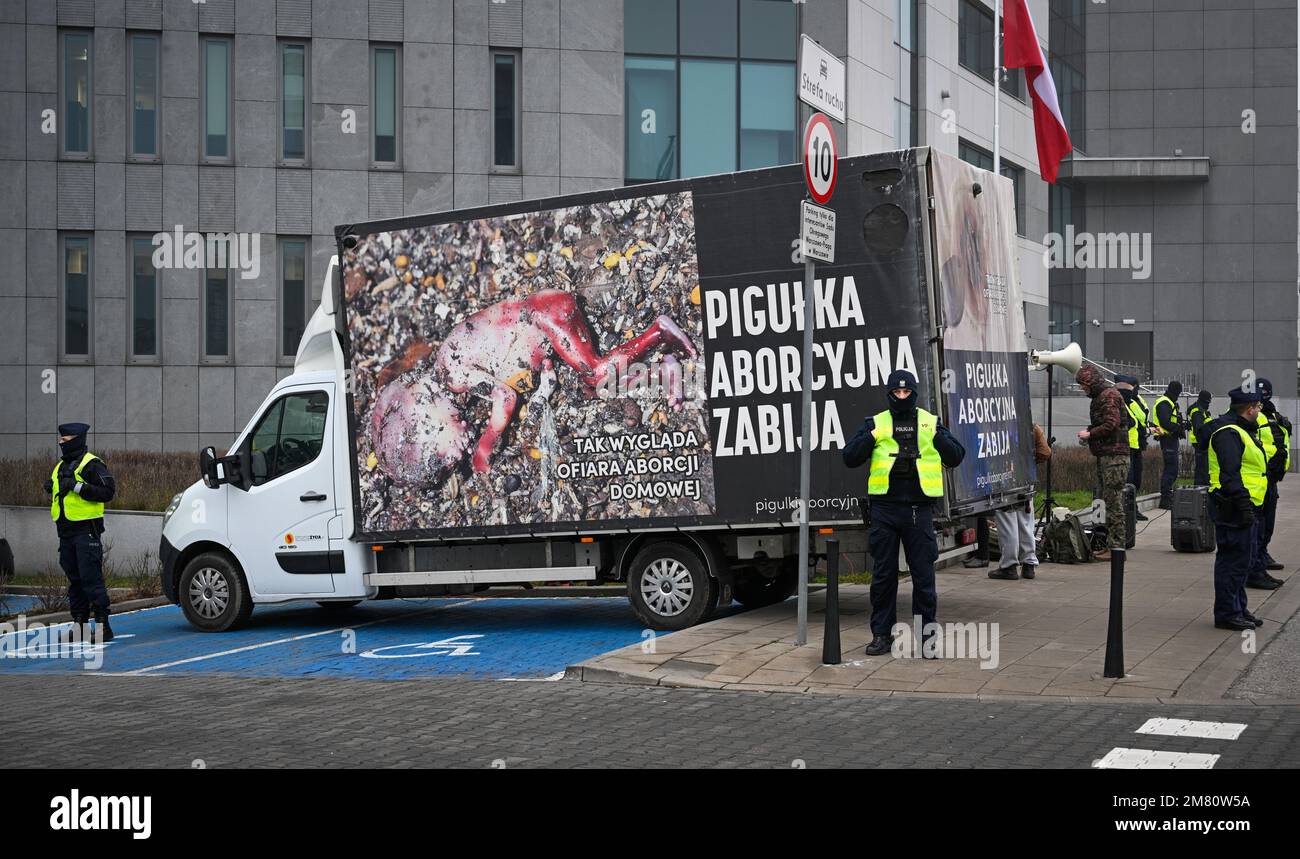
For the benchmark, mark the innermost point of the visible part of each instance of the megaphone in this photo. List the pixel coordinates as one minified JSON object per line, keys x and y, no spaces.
{"x":1071,"y":358}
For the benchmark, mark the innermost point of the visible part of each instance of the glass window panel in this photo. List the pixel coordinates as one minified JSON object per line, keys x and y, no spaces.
{"x":708,"y":28}
{"x":650,"y":26}
{"x":651,"y":134}
{"x":76,"y":296}
{"x":76,"y":92}
{"x":216,"y":99}
{"x":216,"y":313}
{"x":144,"y":299}
{"x":293,"y":296}
{"x":503,"y":110}
{"x":708,"y":117}
{"x":767,"y":29}
{"x":144,"y":95}
{"x":385,"y":112}
{"x":904,"y":23}
{"x":767,"y":121}
{"x":293,"y":94}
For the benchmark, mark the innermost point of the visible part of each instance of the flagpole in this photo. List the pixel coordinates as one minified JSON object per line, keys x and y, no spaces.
{"x":997,"y":74}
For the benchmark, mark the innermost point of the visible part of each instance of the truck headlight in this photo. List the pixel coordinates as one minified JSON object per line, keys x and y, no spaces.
{"x":172,"y":507}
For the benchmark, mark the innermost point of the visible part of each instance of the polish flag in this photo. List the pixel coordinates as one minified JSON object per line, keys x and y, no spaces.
{"x":1020,"y":43}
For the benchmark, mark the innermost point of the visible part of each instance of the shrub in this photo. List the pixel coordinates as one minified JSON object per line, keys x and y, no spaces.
{"x":146,"y":480}
{"x":1074,"y":468}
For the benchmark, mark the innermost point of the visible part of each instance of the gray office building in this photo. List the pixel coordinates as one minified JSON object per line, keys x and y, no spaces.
{"x":171,"y":172}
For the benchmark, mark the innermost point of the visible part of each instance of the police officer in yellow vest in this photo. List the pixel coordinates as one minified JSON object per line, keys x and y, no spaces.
{"x":1168,"y":419}
{"x":79,"y":487}
{"x":1275,"y":435}
{"x":907,"y":449}
{"x":1238,"y":483}
{"x":1197,"y":417}
{"x":1139,"y":416}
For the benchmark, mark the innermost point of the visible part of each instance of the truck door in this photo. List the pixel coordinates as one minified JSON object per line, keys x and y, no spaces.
{"x":280,"y":527}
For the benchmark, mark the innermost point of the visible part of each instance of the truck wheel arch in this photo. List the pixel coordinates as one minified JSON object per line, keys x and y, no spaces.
{"x":708,"y":550}
{"x":195,"y":549}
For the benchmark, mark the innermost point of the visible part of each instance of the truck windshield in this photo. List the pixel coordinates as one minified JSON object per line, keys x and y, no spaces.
{"x":290,"y":435}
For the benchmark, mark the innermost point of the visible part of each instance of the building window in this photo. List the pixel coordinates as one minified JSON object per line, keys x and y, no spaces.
{"x":1067,"y":35}
{"x":217,"y":302}
{"x":982,"y":158}
{"x":143,"y":300}
{"x":708,"y":107}
{"x":77,"y":294}
{"x":385,"y":78}
{"x":293,"y":103}
{"x":975,"y":45}
{"x":217,"y":87}
{"x":651,"y":133}
{"x":505,"y":110}
{"x":699,"y":79}
{"x":75,"y":78}
{"x":143,"y":125}
{"x":766,"y":123}
{"x":293,"y":295}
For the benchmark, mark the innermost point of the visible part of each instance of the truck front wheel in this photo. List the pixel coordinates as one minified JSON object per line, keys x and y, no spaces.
{"x":669,"y":587}
{"x":213,"y":594}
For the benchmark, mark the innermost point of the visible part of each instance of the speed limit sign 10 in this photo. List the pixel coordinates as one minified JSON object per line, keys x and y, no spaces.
{"x":819,"y":158}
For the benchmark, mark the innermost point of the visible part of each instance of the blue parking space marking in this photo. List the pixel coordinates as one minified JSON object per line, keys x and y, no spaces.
{"x":18,"y":603}
{"x":493,"y":638}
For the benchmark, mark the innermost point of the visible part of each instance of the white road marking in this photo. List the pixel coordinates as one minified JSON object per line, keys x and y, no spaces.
{"x":1147,"y":759}
{"x":290,"y":640}
{"x":1186,"y":728}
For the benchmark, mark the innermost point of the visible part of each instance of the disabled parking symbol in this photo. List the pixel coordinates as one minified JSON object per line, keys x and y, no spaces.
{"x":458,"y":645}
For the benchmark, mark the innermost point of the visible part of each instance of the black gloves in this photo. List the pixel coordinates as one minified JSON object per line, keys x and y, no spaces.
{"x":67,"y":484}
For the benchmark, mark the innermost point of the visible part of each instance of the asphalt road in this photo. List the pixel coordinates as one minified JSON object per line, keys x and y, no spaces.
{"x":174,"y":720}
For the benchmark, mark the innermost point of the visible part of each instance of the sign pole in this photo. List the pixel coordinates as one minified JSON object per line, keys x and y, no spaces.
{"x":805,"y":449}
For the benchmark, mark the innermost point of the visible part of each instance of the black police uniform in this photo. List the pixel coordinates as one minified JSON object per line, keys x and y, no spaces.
{"x":1259,"y":577}
{"x":1235,"y":520}
{"x":904,"y":514}
{"x":81,"y":550}
{"x":1199,"y":418}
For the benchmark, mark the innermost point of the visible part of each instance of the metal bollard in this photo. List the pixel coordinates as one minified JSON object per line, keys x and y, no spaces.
{"x":831,"y":632}
{"x":1115,"y":627}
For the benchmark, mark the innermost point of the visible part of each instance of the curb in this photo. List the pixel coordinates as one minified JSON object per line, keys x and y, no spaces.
{"x":28,"y":590}
{"x":115,"y":608}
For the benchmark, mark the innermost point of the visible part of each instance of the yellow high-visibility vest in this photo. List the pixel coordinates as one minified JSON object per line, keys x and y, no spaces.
{"x":1138,"y":426}
{"x":929,"y":468}
{"x":1253,"y":465}
{"x":1191,"y":424}
{"x":75,"y":508}
{"x":1173,"y":407}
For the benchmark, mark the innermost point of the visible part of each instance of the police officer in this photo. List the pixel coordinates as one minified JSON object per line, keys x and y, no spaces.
{"x":1169,"y":421}
{"x":1238,"y":484}
{"x":1275,"y":435}
{"x":1197,"y":417}
{"x":1137,"y":431}
{"x":79,"y":486}
{"x":907,"y":448}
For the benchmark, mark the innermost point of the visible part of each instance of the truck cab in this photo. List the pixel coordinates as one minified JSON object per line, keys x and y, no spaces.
{"x":269,"y":522}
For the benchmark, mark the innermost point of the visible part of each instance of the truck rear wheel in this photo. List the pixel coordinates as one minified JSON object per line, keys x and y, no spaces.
{"x":213,"y":594}
{"x":755,"y":590}
{"x":669,"y":587}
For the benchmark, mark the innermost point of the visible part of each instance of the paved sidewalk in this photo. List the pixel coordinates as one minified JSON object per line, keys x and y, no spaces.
{"x":1051,"y":643}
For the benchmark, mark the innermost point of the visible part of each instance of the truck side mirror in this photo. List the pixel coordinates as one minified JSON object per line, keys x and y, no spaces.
{"x":208,"y":467}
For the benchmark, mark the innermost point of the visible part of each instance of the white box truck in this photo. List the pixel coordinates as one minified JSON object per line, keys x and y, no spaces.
{"x":605,"y":387}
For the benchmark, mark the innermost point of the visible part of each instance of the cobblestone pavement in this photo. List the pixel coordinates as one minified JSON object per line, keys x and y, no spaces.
{"x":227,"y":721}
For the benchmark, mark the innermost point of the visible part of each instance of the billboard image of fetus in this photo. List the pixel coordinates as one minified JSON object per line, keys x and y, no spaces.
{"x":531,"y":368}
